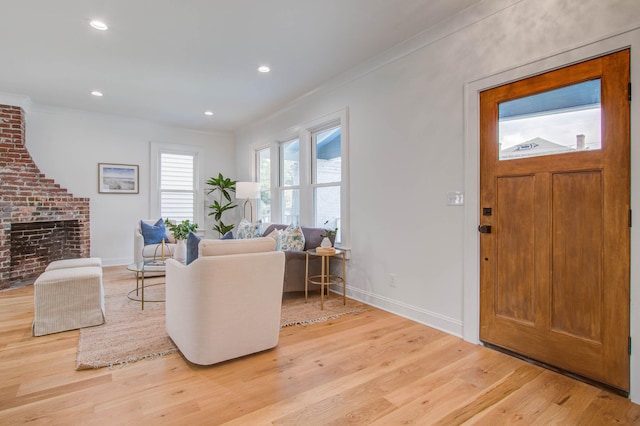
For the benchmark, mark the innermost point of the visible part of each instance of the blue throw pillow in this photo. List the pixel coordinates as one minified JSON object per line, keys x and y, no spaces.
{"x":228,"y":236}
{"x":192,"y":247}
{"x":153,"y":234}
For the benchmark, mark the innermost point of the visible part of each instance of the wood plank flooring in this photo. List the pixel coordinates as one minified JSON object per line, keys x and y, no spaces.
{"x":374,"y":368}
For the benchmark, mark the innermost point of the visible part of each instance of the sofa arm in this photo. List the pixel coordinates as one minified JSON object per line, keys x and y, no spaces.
{"x":138,"y":245}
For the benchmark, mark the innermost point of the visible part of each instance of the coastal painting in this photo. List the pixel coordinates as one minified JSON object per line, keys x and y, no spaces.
{"x":117,"y":178}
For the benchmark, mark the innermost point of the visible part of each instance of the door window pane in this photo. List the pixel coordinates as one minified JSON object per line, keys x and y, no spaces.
{"x":558,"y":121}
{"x":328,"y":157}
{"x":327,"y":203}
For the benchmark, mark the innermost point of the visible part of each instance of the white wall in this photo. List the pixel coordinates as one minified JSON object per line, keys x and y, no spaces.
{"x":67,"y":146}
{"x":407,"y":144}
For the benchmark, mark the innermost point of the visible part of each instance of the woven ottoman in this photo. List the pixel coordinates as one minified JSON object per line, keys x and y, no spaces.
{"x":66,"y":299}
{"x":74,"y":263}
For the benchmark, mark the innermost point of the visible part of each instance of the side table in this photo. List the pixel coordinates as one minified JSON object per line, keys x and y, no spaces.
{"x":325,"y":278}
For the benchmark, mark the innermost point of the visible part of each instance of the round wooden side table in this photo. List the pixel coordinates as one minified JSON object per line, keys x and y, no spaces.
{"x":325,"y":278}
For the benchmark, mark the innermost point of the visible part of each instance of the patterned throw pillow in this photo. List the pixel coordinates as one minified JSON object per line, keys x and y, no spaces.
{"x":249,"y":230}
{"x":291,"y":239}
{"x":275,"y":234}
{"x":153,"y":234}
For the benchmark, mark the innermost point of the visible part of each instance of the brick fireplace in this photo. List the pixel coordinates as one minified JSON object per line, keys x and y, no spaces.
{"x":39,"y":221}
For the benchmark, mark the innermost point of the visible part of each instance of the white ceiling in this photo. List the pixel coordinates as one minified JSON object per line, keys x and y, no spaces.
{"x":170,"y":60}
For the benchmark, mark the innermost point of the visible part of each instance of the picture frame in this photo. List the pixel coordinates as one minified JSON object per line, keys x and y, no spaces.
{"x":118,"y":178}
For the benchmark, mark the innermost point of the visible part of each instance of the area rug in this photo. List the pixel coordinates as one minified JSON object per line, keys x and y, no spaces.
{"x":295,"y":311}
{"x":131,"y":334}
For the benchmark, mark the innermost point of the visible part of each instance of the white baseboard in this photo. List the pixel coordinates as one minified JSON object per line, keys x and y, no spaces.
{"x":422,"y":316}
{"x":115,"y":261}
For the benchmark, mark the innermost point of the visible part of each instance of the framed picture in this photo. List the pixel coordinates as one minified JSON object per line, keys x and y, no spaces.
{"x":117,"y":178}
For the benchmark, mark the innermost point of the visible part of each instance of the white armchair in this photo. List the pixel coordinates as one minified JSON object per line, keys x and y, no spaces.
{"x":227,"y":303}
{"x":142,"y":252}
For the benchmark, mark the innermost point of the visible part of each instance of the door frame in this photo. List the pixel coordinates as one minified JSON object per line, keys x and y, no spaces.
{"x":471,"y":260}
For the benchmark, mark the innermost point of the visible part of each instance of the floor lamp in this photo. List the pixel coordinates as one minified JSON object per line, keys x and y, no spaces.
{"x":249,"y":191}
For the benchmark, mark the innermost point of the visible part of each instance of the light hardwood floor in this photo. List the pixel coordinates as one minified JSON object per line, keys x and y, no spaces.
{"x":371,"y":368}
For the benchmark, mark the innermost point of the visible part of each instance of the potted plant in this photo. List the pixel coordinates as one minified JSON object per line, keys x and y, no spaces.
{"x":329,"y":236}
{"x":180,"y":232}
{"x":224,"y":187}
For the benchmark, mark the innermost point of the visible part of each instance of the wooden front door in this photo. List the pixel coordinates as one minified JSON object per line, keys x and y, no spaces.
{"x":555,"y":218}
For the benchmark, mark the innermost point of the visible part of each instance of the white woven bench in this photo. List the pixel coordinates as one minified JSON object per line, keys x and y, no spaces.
{"x":74,"y":263}
{"x":68,"y":298}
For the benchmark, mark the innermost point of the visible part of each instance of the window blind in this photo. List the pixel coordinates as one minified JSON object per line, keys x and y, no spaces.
{"x":177,"y":189}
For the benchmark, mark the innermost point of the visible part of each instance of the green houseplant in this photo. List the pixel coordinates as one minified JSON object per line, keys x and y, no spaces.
{"x":223,"y":187}
{"x":181,"y":230}
{"x":329,"y":236}
{"x":329,"y":232}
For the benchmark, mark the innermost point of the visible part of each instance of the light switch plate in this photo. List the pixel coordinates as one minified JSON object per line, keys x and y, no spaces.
{"x":455,"y":198}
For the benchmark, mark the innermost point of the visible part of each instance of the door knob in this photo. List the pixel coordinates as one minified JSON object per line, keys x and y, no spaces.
{"x":484,"y":229}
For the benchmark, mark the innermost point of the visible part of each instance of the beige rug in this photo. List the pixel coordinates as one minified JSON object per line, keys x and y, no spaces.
{"x":131,"y":334}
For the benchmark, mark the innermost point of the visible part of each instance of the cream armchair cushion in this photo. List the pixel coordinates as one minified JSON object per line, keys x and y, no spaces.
{"x":227,"y":303}
{"x":142,"y":252}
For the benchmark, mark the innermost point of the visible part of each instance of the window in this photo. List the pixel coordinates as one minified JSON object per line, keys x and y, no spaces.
{"x":290,"y":181}
{"x":307,"y":184}
{"x":327,"y":177}
{"x":263,"y":174}
{"x":174,"y":183}
{"x":177,"y":190}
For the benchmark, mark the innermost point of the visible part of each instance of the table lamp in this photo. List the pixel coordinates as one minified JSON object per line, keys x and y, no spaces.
{"x":249,"y":191}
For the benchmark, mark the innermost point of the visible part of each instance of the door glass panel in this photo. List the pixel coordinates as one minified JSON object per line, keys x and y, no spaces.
{"x":558,"y":121}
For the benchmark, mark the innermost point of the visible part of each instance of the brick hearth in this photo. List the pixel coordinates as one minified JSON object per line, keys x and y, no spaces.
{"x":27,"y":196}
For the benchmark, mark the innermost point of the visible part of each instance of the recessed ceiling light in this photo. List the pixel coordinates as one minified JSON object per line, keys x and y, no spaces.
{"x":264,"y":68}
{"x":208,"y":113}
{"x":99,"y":25}
{"x":96,"y":93}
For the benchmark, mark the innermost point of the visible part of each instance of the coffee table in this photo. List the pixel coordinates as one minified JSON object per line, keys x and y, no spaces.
{"x":140,"y":268}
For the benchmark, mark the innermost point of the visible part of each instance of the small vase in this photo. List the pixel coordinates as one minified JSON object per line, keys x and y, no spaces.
{"x":326,"y":242}
{"x":181,"y":251}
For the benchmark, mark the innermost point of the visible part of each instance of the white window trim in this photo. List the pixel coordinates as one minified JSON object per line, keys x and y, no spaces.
{"x":154,"y":178}
{"x":303,"y":133}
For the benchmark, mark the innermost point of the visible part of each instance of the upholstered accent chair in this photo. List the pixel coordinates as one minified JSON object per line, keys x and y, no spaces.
{"x":227,"y":303}
{"x":143,"y":252}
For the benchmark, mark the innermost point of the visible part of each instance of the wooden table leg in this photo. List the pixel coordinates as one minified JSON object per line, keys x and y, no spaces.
{"x":306,"y":279}
{"x":323,"y":278}
{"x":344,"y":280}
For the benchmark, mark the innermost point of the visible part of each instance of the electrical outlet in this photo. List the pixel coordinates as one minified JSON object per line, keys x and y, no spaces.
{"x":392,"y":280}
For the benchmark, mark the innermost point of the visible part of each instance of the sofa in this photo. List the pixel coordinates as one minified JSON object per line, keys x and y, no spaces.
{"x":227,"y":303}
{"x":295,"y":261}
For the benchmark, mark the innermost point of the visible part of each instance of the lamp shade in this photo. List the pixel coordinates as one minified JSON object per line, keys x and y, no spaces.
{"x":248,"y":190}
